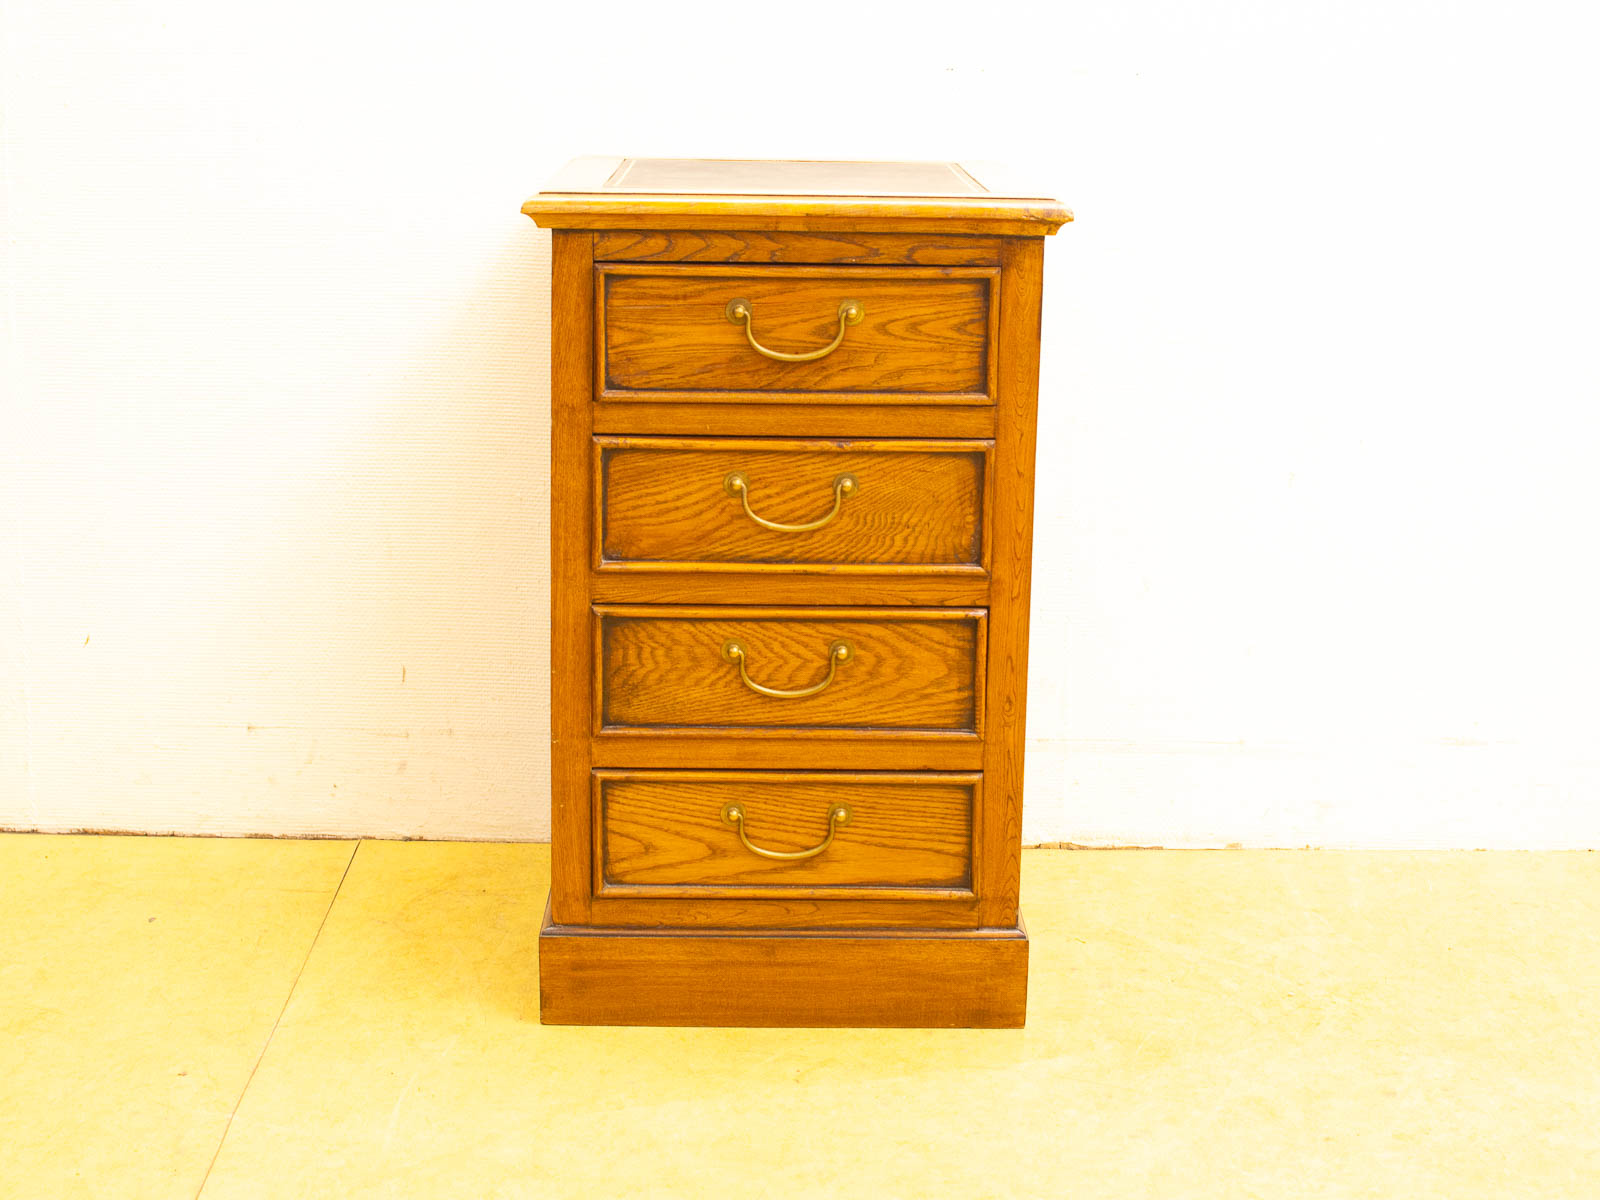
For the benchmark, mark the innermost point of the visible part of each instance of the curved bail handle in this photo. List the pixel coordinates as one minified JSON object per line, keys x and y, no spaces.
{"x":740,"y":312}
{"x":733,"y":814}
{"x":737,"y":483}
{"x":839,"y":652}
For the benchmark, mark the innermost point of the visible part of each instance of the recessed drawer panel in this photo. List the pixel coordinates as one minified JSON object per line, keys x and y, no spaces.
{"x":751,"y":832}
{"x":814,"y":334}
{"x":670,"y":502}
{"x":872,"y":671}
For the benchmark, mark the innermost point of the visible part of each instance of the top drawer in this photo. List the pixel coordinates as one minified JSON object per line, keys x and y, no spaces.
{"x":806,"y":335}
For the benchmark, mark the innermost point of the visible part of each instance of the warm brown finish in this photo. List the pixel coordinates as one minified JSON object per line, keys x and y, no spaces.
{"x":571,"y":309}
{"x":664,"y":832}
{"x":933,"y":908}
{"x":789,"y":596}
{"x":928,"y":978}
{"x":789,"y":748}
{"x":925,"y":334}
{"x":1001,"y":823}
{"x":764,"y":419}
{"x":915,"y":504}
{"x":755,"y":246}
{"x":664,"y":668}
{"x":713,"y":583}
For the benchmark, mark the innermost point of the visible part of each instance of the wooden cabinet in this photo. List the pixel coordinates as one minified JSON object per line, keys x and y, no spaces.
{"x":792,"y":463}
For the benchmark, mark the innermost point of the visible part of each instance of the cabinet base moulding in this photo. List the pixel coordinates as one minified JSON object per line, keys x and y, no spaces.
{"x":815,"y":978}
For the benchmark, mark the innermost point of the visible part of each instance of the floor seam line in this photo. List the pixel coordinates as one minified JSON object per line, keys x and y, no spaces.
{"x":294,"y":984}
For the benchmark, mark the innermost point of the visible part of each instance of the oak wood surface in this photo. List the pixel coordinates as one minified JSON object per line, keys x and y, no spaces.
{"x":797,"y":214}
{"x":925,"y":333}
{"x":571,"y":314}
{"x":685,"y":977}
{"x":666,"y":828}
{"x":733,"y":419}
{"x":789,"y":749}
{"x":714,"y":583}
{"x":909,"y":670}
{"x":914,"y":504}
{"x":659,"y":913}
{"x":1000,"y":827}
{"x":760,"y":246}
{"x":853,"y":908}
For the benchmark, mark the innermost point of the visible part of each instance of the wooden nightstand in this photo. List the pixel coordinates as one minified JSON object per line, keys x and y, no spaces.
{"x":792,"y":515}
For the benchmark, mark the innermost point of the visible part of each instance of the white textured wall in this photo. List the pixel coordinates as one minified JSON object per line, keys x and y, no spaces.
{"x":1316,"y":558}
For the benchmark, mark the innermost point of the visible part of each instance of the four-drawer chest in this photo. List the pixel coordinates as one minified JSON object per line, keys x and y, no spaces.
{"x":793,"y":424}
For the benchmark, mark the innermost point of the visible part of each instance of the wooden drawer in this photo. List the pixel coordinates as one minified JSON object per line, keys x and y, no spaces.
{"x":676,"y":502}
{"x":702,"y":833}
{"x":924,"y":334}
{"x":880,"y":672}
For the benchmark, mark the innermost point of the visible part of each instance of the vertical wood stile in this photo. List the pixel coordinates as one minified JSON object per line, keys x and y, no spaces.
{"x":571,"y":400}
{"x":1000,"y":837}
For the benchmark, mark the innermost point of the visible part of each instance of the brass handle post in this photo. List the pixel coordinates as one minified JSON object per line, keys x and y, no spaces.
{"x":733,"y":814}
{"x":740,"y":312}
{"x":839,"y":652}
{"x":737,"y":483}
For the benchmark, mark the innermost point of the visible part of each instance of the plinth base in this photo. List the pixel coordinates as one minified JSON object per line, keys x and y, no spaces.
{"x":880,"y":977}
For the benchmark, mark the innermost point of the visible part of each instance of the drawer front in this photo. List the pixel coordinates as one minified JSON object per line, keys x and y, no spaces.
{"x":923,"y":334}
{"x":885,"y":671}
{"x":752,"y":833}
{"x":667,"y":502}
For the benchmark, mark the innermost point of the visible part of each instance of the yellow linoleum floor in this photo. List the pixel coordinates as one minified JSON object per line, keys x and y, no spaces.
{"x":216,"y":1018}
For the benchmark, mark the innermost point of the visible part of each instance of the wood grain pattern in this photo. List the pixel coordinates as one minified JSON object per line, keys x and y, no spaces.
{"x":946,"y":909}
{"x":659,"y":912}
{"x":571,"y":314}
{"x":761,"y":246}
{"x":714,"y":583}
{"x":1000,"y":829}
{"x":916,"y":504}
{"x":926,"y":331}
{"x":664,"y":829}
{"x":910,"y":670}
{"x":796,"y":214}
{"x":732,"y":419}
{"x":890,"y":979}
{"x":789,"y":749}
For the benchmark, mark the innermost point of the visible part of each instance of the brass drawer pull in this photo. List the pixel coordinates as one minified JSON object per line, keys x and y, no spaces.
{"x":733,"y":814}
{"x":850,"y":313}
{"x":738,"y":484}
{"x":837,"y":653}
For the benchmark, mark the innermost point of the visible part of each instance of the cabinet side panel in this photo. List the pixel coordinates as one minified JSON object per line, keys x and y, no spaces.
{"x":1000,"y":830}
{"x":571,"y":389}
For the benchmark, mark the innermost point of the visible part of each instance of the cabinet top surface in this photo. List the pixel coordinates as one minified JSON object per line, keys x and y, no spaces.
{"x":603,"y":191}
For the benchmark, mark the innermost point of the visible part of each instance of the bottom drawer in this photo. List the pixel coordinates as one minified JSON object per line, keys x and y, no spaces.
{"x":772,"y":833}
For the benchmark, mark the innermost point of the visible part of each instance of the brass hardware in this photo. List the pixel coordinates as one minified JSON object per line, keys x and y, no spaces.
{"x":839,"y":652}
{"x":736,"y":483}
{"x":740,"y":312}
{"x":733,"y":814}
